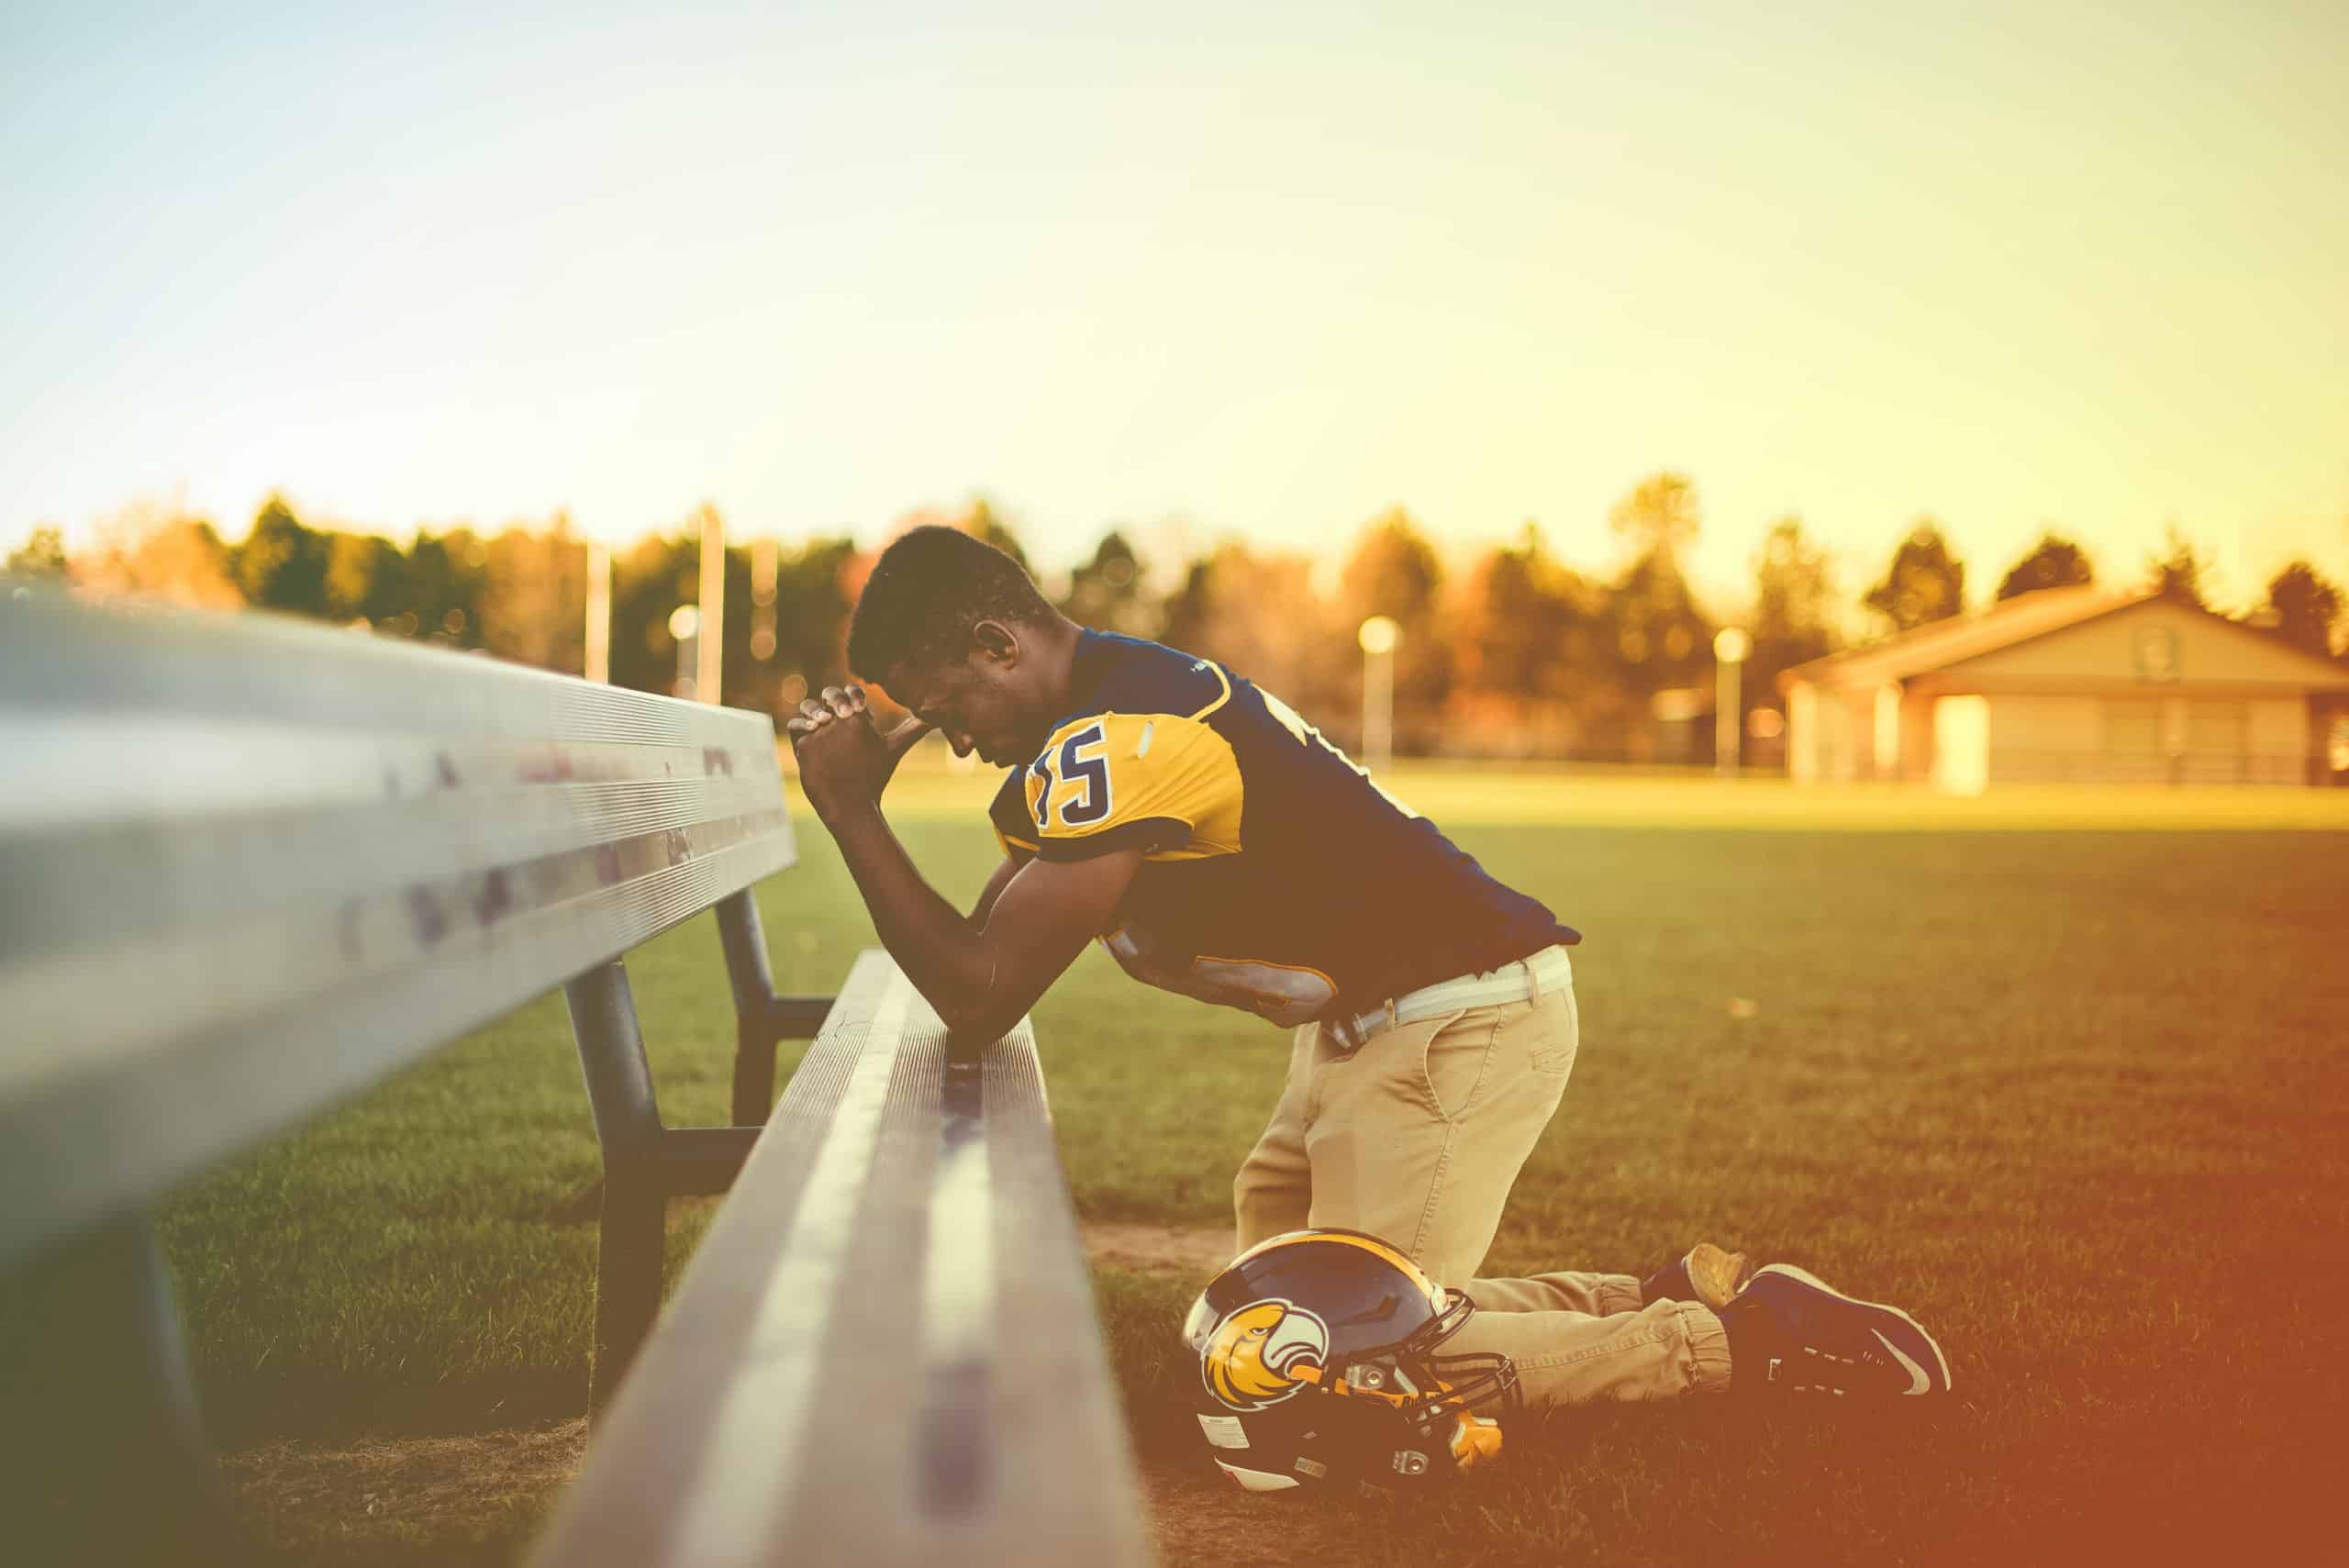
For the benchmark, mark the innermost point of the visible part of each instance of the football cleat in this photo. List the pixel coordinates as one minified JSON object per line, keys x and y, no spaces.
{"x":1792,"y":1331}
{"x":1708,"y":1274}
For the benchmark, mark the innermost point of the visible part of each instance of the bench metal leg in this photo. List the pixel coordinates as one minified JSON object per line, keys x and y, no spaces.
{"x":762,"y":1018}
{"x":754,"y":1071}
{"x":628,"y":1125}
{"x":627,"y":1278}
{"x":645,"y":1164}
{"x":117,"y":1466}
{"x":753,"y":982}
{"x":757,"y":1033}
{"x":702,"y":1161}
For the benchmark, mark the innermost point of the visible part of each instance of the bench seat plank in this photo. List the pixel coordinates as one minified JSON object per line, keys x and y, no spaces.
{"x":885,"y":1350}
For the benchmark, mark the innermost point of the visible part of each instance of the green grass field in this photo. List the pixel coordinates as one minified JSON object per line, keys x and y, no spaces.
{"x":2064,"y":1074}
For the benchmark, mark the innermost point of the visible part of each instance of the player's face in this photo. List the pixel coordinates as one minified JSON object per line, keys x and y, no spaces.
{"x":977,"y":703}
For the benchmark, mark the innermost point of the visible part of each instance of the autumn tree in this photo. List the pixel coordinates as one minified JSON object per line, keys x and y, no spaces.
{"x":2053,"y":562}
{"x":1925,"y":582}
{"x":1661,"y":639}
{"x":811,"y":610}
{"x":446,"y":579}
{"x":2181,"y":571}
{"x":534,"y":597}
{"x":1526,"y":621}
{"x":813,"y":587}
{"x":1394,"y":571}
{"x":1259,"y":614}
{"x":42,"y":555}
{"x":1108,"y":593}
{"x":165,"y":556}
{"x":983,"y":523}
{"x":281,"y":564}
{"x":367,"y":579}
{"x":1794,"y":617}
{"x":810,"y":623}
{"x":649,"y":580}
{"x":1659,"y":515}
{"x":1531,"y":656}
{"x":2302,"y":607}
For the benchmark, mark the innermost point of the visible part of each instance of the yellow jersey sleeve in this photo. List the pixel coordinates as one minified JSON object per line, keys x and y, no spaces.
{"x":1008,"y":817}
{"x":1167,"y":786}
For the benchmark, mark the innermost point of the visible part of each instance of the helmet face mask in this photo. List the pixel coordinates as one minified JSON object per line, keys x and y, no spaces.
{"x":1318,"y":1363}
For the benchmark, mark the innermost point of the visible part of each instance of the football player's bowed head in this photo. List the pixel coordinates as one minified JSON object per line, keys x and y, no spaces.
{"x":955,"y":630}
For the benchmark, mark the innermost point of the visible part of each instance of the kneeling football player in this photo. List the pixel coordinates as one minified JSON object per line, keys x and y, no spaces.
{"x":1217,"y":845}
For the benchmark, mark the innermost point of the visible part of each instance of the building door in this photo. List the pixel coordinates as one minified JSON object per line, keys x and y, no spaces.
{"x":2218,"y":743}
{"x":2130,"y":750}
{"x":1962,"y":745}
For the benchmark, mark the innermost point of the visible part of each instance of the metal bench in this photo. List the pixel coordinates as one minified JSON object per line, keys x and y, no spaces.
{"x":250,"y":866}
{"x":895,"y":1312}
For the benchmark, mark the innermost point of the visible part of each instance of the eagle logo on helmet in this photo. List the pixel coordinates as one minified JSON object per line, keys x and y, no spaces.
{"x":1251,"y":1358}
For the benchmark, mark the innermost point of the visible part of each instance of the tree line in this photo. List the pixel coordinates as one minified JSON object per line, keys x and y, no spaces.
{"x":1517,"y":653}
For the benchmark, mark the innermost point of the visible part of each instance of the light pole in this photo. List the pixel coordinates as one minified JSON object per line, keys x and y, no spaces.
{"x":764,"y":561}
{"x":1730,"y":648}
{"x":684,"y":624}
{"x":1379,"y":637}
{"x":597,"y":666}
{"x":709,"y":629}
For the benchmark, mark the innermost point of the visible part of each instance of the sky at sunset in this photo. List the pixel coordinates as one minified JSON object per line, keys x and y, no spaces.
{"x":1263,"y":269}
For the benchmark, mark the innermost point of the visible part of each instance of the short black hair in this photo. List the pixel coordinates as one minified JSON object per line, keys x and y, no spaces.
{"x":927,"y":591}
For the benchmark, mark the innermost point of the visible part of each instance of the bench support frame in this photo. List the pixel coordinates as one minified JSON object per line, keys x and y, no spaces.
{"x":133,"y":1413}
{"x":117,"y":1413}
{"x":647,"y":1163}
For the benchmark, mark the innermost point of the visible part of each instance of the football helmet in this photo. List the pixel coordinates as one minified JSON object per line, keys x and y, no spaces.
{"x":1318,"y":1363}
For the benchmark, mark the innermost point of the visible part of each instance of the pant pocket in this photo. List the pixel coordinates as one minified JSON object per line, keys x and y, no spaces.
{"x":1553,"y":1028}
{"x":1456,"y":1059}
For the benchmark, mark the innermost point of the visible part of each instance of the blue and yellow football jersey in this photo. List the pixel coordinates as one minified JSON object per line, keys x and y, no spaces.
{"x":1276,"y":877}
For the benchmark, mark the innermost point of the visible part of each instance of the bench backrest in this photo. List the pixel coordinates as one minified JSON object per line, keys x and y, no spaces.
{"x":248,"y":865}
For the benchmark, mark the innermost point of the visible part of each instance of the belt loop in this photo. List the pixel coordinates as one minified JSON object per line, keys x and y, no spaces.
{"x":1533,"y":979}
{"x":1392,"y":1022}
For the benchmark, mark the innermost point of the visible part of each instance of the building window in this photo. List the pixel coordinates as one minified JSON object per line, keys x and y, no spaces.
{"x":2130,"y":747}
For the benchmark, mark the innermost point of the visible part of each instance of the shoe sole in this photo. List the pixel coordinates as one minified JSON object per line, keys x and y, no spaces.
{"x":1941,"y":1362}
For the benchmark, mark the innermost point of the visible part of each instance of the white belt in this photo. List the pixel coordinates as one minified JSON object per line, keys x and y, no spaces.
{"x":1522,"y":981}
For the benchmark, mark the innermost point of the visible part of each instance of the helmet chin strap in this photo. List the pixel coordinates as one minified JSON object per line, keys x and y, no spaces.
{"x":1311,"y":1374}
{"x":1338,"y":1385}
{"x":1475,"y":1439}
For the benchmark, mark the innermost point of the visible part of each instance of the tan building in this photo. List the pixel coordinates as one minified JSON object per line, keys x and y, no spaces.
{"x":2069,"y":684}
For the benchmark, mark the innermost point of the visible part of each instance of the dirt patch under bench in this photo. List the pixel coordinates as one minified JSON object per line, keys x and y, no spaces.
{"x":1188,"y":1250}
{"x":445,"y":1501}
{"x":477,"y":1498}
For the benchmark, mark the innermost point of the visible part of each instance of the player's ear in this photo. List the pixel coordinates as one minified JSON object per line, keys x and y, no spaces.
{"x":996,"y":643}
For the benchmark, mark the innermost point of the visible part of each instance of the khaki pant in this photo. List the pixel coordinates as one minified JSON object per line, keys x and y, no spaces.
{"x":1417,"y":1137}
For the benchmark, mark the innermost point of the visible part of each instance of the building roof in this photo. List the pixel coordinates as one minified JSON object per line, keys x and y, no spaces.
{"x":1938,"y":644}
